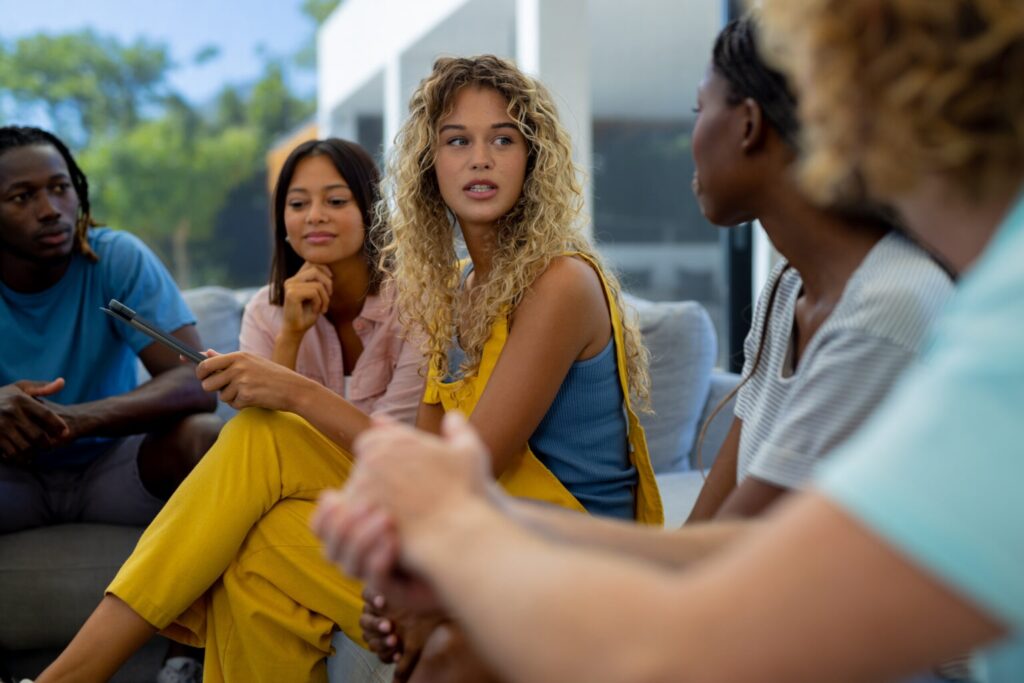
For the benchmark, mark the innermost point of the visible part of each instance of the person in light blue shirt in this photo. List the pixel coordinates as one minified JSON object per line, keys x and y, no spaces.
{"x":80,"y":439}
{"x":908,"y":550}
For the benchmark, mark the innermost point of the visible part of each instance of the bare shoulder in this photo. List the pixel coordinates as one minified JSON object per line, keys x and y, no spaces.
{"x":571,"y":280}
{"x":567,"y":298}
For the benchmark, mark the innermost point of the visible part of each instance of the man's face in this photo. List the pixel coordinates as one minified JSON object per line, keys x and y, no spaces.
{"x":38,"y":204}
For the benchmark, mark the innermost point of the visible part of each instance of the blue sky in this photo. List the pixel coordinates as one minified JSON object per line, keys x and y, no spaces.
{"x":237,"y":27}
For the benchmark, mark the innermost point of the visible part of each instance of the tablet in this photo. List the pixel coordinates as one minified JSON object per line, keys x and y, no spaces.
{"x":118,"y":310}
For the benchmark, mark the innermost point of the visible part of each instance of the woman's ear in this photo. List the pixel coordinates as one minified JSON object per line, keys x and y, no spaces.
{"x":754,"y":131}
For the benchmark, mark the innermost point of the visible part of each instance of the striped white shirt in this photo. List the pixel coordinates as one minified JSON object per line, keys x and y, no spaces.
{"x":791,"y":419}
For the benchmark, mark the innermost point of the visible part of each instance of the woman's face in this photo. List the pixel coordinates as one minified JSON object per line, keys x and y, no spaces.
{"x":720,"y":176}
{"x":323,"y":221}
{"x":481,"y":158}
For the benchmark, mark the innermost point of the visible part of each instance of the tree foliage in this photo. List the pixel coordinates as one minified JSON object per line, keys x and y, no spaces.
{"x":83,"y":82}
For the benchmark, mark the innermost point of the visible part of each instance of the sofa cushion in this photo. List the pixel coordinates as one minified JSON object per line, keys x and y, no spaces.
{"x":218,"y":314}
{"x":681,"y":340}
{"x":53,"y":577}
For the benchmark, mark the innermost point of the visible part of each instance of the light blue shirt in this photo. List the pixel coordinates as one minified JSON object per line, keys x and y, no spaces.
{"x":61,"y":331}
{"x":939,"y":471}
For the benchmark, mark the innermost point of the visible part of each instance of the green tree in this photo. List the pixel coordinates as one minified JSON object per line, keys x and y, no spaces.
{"x":167,"y":179}
{"x":85,"y":84}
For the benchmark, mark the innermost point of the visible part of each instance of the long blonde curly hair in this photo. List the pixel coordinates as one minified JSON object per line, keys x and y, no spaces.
{"x":898,"y":89}
{"x":418,"y":246}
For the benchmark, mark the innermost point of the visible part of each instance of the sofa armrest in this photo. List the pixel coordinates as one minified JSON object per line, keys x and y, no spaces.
{"x":721,"y":384}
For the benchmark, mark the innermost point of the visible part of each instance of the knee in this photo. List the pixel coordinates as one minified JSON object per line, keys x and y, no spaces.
{"x":260,"y":422}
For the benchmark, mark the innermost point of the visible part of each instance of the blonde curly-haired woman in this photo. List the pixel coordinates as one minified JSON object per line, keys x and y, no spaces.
{"x":527,"y":337}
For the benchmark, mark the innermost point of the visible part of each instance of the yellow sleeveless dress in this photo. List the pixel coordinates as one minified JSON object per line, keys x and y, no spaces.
{"x":528,"y":477}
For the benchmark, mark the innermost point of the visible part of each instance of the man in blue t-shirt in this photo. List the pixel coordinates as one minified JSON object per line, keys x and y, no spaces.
{"x":80,"y":439}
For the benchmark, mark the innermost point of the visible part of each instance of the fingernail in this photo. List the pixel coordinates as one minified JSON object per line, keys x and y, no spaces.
{"x":391,"y":641}
{"x":378,"y":601}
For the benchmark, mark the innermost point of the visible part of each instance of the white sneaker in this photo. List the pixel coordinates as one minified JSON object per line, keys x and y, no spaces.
{"x":180,"y":670}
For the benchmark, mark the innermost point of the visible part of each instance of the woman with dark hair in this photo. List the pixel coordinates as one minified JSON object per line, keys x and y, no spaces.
{"x":844,"y":311}
{"x":326,"y":305}
{"x":230,"y":564}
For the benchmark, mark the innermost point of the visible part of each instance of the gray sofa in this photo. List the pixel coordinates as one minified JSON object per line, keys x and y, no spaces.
{"x":51,"y":578}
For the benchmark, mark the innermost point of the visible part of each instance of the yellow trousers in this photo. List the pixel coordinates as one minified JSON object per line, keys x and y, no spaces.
{"x":231,"y":565}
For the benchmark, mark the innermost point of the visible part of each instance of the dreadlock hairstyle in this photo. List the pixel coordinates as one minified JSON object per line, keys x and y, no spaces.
{"x":13,"y":137}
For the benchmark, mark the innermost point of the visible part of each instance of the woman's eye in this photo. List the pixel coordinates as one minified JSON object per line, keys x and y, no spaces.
{"x":296,"y":205}
{"x":19,"y":198}
{"x":61,"y":188}
{"x":337,"y":201}
{"x":457,"y":142}
{"x":503,"y":141}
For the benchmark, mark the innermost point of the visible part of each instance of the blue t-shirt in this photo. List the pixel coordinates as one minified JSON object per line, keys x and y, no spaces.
{"x":61,"y":331}
{"x":939,"y":471}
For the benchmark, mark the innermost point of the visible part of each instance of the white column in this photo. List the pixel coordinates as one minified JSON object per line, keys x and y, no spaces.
{"x":394,"y":104}
{"x":553,"y":44}
{"x":764,"y":257}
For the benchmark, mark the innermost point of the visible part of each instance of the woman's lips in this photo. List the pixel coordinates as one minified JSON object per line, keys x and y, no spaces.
{"x":480,"y":190}
{"x":319,"y":238}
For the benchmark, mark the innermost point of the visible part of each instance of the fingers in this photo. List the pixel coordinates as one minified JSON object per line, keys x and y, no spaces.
{"x":327,"y":506}
{"x":362,"y":539}
{"x":214,"y":363}
{"x":338,"y":525}
{"x":317,"y":294}
{"x":457,"y":431}
{"x":50,"y":422}
{"x":41,"y":388}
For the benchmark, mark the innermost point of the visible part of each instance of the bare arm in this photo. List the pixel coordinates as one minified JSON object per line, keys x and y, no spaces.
{"x":811,"y":563}
{"x":563,"y":317}
{"x":246,"y":380}
{"x":672,"y":549}
{"x":721,"y":480}
{"x":721,"y":498}
{"x":428,"y":417}
{"x":171,"y":394}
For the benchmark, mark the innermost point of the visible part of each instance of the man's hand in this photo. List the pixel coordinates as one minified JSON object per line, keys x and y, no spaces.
{"x":26,"y":423}
{"x":245,"y":380}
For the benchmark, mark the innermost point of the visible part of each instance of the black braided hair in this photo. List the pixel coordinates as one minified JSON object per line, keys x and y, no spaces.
{"x":13,"y":137}
{"x":736,"y":57}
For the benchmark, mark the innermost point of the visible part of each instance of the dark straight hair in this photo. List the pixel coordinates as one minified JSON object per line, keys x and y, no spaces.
{"x":360,"y":173}
{"x":13,"y":137}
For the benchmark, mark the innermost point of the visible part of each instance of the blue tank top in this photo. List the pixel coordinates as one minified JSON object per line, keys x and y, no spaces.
{"x":583,"y":436}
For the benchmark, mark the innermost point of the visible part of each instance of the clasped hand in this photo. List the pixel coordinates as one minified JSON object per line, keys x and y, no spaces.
{"x":28,"y":423}
{"x":404,"y":490}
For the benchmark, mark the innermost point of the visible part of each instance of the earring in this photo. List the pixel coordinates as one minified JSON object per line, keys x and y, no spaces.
{"x":287,"y":239}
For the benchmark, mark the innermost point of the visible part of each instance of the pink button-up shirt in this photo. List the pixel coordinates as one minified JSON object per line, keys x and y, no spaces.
{"x":386,"y":379}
